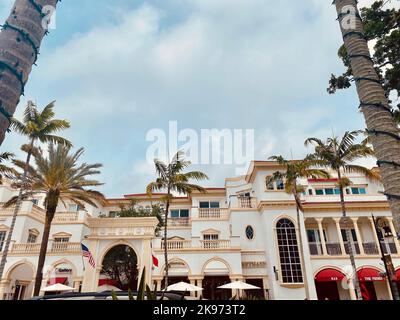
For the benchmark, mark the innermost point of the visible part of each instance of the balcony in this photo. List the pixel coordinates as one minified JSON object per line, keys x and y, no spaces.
{"x":53,"y":248}
{"x":371,"y":248}
{"x":178,"y":245}
{"x":66,"y":217}
{"x":356,"y":247}
{"x":389,"y":247}
{"x":243,"y":202}
{"x":213,"y":214}
{"x":315,"y":248}
{"x":333,"y":249}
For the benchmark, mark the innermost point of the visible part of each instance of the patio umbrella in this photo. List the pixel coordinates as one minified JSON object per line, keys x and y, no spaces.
{"x":107,"y":287}
{"x":58,"y":287}
{"x":183,"y":286}
{"x":238,"y":285}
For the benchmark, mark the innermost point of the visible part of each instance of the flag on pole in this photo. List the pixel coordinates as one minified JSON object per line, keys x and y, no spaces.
{"x":86,"y":253}
{"x":155,"y":260}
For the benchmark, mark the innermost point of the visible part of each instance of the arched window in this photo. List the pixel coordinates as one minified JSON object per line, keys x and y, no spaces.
{"x":289,"y":252}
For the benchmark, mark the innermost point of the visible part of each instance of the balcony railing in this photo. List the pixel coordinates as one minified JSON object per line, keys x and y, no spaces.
{"x":389,"y":247}
{"x":315,"y":248}
{"x":247,"y":202}
{"x":176,"y":245}
{"x":333,"y":249}
{"x":215,"y":244}
{"x":55,"y":247}
{"x":371,"y":248}
{"x":213,"y":213}
{"x":66,"y":217}
{"x":354,"y":245}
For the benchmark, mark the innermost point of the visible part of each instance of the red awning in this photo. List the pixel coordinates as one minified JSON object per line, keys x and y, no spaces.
{"x":369,"y":274}
{"x":61,"y":280}
{"x":329,"y":275}
{"x":106,"y":281}
{"x":398,"y":275}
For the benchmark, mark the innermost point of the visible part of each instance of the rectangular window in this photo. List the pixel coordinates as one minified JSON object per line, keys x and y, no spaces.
{"x":61,"y":239}
{"x":209,"y":204}
{"x":35,"y":201}
{"x":209,"y":237}
{"x":348,"y":191}
{"x":329,"y":191}
{"x":112,"y":214}
{"x":319,"y":192}
{"x":362,"y":190}
{"x":337,"y":191}
{"x":2,"y":239}
{"x":280,"y":184}
{"x":180,"y":213}
{"x":355,"y":191}
{"x":353,"y":235}
{"x":310,"y":192}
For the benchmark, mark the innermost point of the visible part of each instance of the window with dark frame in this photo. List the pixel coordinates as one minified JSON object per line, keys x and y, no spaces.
{"x":289,"y":252}
{"x":2,"y":239}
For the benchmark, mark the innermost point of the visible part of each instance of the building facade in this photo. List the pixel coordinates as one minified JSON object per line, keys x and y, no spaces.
{"x":248,"y":230}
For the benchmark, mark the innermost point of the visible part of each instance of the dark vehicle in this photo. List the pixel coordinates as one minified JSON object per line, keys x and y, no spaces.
{"x":107,"y":295}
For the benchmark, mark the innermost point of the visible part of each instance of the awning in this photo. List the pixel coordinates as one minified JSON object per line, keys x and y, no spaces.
{"x":398,"y":275}
{"x":61,"y":280}
{"x":328,"y":275}
{"x":106,"y":281}
{"x":369,"y":274}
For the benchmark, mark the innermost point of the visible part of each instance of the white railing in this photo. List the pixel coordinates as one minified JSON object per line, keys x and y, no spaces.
{"x":177,"y":244}
{"x":66,"y":217}
{"x":55,"y":247}
{"x":213,"y":213}
{"x":215,"y":244}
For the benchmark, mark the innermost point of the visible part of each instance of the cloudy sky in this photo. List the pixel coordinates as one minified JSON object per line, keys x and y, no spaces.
{"x":126,"y":67}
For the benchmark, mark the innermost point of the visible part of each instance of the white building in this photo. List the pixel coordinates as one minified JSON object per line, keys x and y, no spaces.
{"x":245,"y":231}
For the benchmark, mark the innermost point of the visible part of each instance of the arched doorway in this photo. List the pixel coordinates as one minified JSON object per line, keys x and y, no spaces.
{"x":178,"y":271}
{"x":373,"y":284}
{"x":327,"y":283}
{"x":120,"y":268}
{"x":61,"y":273}
{"x":216,"y":273}
{"x":21,"y":282}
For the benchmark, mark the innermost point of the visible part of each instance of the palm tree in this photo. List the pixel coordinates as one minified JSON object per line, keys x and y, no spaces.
{"x":374,"y":105}
{"x":339,"y":155}
{"x":20,"y":42}
{"x":4,"y":169}
{"x":60,"y":178}
{"x":37,"y":126}
{"x":295,"y":170}
{"x":172,"y":179}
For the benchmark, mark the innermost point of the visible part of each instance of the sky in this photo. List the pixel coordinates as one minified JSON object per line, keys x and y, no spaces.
{"x":126,"y":67}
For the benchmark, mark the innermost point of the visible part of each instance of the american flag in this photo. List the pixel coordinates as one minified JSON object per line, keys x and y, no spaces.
{"x":86,"y":253}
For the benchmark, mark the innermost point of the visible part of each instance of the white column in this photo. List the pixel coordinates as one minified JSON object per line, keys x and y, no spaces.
{"x":321,"y":235}
{"x":374,"y":233}
{"x":339,"y":234}
{"x":192,"y":282}
{"x":396,"y":241}
{"x":3,"y":286}
{"x":358,"y":234}
{"x":147,"y":260}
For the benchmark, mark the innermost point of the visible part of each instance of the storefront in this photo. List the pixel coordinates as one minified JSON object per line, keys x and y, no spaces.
{"x":373,"y":284}
{"x":327,"y":283}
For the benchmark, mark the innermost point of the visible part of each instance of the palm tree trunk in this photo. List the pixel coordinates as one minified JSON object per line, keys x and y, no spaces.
{"x":51,"y":209}
{"x":349,"y":243}
{"x":166,"y":242}
{"x":20,"y":41}
{"x":15,"y":213}
{"x":306,"y":288}
{"x":375,"y":107}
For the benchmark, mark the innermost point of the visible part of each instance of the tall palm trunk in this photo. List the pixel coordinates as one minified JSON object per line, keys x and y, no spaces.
{"x":20,"y":41}
{"x":50,"y":211}
{"x":15,"y":212}
{"x":166,"y":243}
{"x":305,"y":279}
{"x":349,"y":243}
{"x":375,"y":107}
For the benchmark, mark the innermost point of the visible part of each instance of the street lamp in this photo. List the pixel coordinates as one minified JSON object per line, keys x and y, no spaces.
{"x":380,"y":225}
